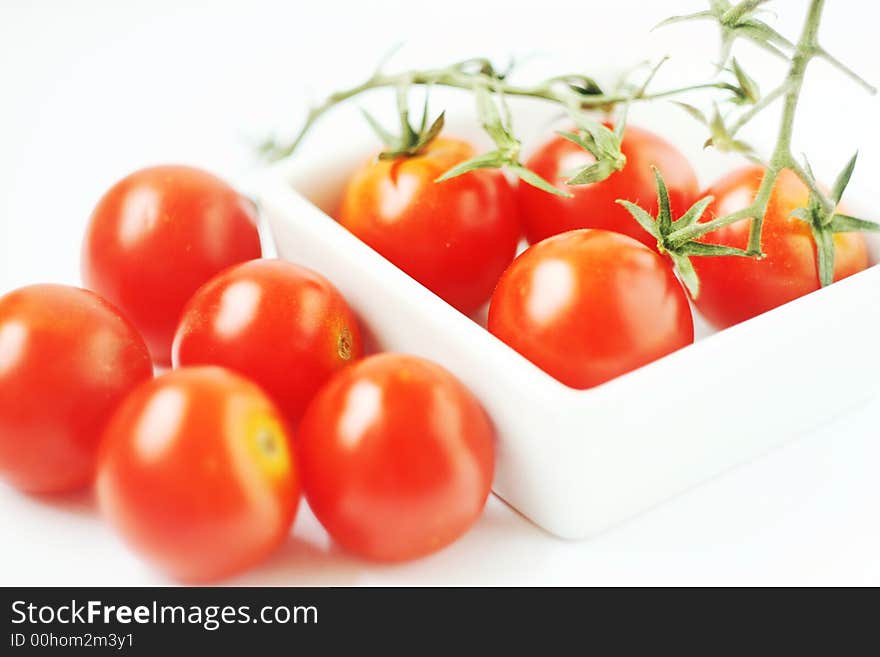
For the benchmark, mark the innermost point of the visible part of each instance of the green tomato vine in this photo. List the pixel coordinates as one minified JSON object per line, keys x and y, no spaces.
{"x":578,"y":94}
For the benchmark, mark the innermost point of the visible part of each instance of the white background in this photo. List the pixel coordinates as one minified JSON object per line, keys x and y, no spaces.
{"x":94,"y":89}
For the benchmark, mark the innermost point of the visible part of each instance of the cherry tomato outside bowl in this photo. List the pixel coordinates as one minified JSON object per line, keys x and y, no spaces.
{"x":196,"y":472}
{"x":589,"y":305}
{"x":397,"y":457}
{"x":156,"y":236}
{"x":283,"y":326}
{"x":67,"y":358}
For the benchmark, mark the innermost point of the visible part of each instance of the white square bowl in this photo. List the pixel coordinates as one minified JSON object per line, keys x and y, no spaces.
{"x":579,"y":461}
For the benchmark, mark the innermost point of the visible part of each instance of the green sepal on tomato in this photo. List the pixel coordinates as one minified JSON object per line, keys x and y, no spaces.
{"x":593,"y":205}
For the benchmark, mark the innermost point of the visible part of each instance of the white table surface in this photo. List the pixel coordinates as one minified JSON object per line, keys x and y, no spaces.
{"x":94,"y":89}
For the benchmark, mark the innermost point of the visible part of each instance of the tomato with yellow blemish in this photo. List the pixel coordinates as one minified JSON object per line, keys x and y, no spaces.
{"x":197,"y":473}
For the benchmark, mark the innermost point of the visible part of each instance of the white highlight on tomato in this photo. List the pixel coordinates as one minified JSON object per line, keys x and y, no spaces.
{"x":311,"y":303}
{"x":553,"y":284}
{"x":397,"y":195}
{"x":362,"y":405}
{"x":139,"y":215}
{"x":238,"y":306}
{"x":159,"y":423}
{"x":447,"y":419}
{"x":13,"y":338}
{"x":571,"y":162}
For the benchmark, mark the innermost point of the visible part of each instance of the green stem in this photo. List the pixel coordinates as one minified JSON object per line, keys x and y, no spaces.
{"x":810,"y":181}
{"x":782,"y":157}
{"x":683,"y":235}
{"x":553,"y":90}
{"x":753,"y":111}
{"x":674,"y":92}
{"x":806,"y":49}
{"x":733,"y":15}
{"x":559,"y":90}
{"x":846,"y":70}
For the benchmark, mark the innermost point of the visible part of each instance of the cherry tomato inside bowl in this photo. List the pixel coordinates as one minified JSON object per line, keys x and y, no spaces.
{"x":397,"y":457}
{"x":589,"y":305}
{"x":454,"y":237}
{"x":283,"y":326}
{"x":196,"y":472}
{"x":735,"y":289}
{"x":156,"y":236}
{"x":67,"y":358}
{"x":593,"y":205}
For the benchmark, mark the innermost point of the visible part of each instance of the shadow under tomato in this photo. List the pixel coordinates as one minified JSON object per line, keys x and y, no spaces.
{"x":369,"y":338}
{"x":302,"y":563}
{"x":317,"y":561}
{"x":81,"y":502}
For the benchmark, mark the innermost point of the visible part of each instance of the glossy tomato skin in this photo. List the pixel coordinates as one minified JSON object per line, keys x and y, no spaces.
{"x":593,"y":205}
{"x":454,"y":237}
{"x":156,"y":236}
{"x":196,"y":472}
{"x":397,"y":457}
{"x":589,"y":305}
{"x":283,"y":326}
{"x":67,"y":358}
{"x":734,"y":289}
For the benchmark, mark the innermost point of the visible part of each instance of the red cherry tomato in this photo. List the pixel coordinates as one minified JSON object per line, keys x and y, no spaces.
{"x":156,"y":236}
{"x":397,"y":457}
{"x":454,"y":237}
{"x":735,"y":289}
{"x":196,"y":472}
{"x":593,"y":205}
{"x":589,"y":305}
{"x":67,"y":358}
{"x":283,"y":326}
